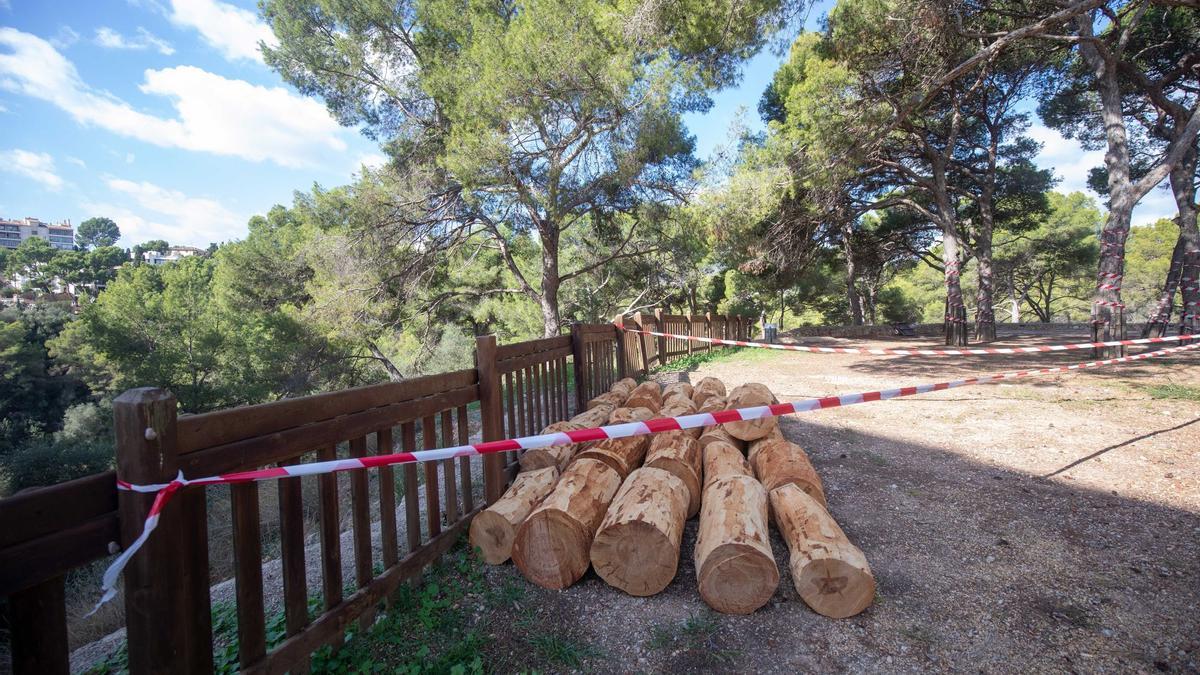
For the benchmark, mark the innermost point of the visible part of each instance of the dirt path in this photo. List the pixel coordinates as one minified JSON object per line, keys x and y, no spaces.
{"x":1045,"y":524}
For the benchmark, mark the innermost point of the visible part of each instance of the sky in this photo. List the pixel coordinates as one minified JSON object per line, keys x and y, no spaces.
{"x":161,"y":115}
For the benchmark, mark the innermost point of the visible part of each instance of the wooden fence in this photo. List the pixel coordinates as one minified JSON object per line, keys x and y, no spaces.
{"x":517,"y":389}
{"x":646,"y":352}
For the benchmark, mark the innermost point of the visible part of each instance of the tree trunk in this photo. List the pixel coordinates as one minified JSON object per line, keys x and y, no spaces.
{"x":856,"y":312}
{"x":723,"y":460}
{"x":677,"y":453}
{"x":749,"y":395}
{"x":494,"y":529}
{"x":557,"y":456}
{"x":1160,"y":319}
{"x":830,"y":574}
{"x":1184,"y":188}
{"x":636,"y":548}
{"x":622,"y":455}
{"x":646,"y":395}
{"x":735,"y":566}
{"x":1014,"y":306}
{"x":552,"y":547}
{"x":551,"y":320}
{"x":985,"y":314}
{"x":706,"y":388}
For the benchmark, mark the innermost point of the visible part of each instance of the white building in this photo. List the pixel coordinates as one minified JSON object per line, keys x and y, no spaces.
{"x":172,"y":254}
{"x":13,"y":232}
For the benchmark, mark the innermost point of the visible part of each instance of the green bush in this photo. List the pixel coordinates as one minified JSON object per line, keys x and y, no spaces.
{"x":45,"y":461}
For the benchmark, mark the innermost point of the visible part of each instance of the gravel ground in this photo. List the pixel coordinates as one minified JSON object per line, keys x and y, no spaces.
{"x":1041,"y":525}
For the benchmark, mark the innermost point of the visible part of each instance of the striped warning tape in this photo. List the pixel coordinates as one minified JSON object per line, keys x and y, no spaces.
{"x":881,"y":351}
{"x":165,"y":491}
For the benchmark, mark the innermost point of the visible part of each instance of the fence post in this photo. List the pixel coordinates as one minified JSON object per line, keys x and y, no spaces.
{"x":38,"y":623}
{"x":168,"y":616}
{"x":708,"y":330}
{"x":623,"y":366}
{"x":577,"y":360}
{"x":491,"y":414}
{"x":641,"y":324}
{"x":662,"y":341}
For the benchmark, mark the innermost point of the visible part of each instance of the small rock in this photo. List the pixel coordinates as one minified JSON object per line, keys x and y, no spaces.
{"x":991,"y":558}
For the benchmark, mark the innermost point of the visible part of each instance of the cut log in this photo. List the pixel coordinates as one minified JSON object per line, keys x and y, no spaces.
{"x":678,"y":453}
{"x":612,"y":398}
{"x":624,"y":386}
{"x":494,"y":529}
{"x":780,"y":462}
{"x":735,"y":567}
{"x":722,"y":460}
{"x":675,"y":397}
{"x":637,"y":546}
{"x":595,"y":417}
{"x":830,"y":574}
{"x":553,"y":545}
{"x":776,"y":434}
{"x":622,"y":455}
{"x":558,"y":456}
{"x":677,"y":388}
{"x":647,"y":395}
{"x":677,"y":405}
{"x":717,"y":433}
{"x":706,"y":388}
{"x":746,"y":396}
{"x":622,"y":415}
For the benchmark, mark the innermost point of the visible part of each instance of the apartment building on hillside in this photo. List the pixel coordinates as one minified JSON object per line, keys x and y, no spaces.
{"x":13,"y":232}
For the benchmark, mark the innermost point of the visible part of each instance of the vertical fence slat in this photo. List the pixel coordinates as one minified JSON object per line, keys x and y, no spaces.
{"x":450,"y":485}
{"x":412,"y":508}
{"x":291,"y":542}
{"x":37,"y":621}
{"x":331,"y":532}
{"x":387,"y":500}
{"x":510,"y":406}
{"x":464,"y":463}
{"x":360,"y":497}
{"x":247,"y":562}
{"x":433,"y":512}
{"x":577,"y":357}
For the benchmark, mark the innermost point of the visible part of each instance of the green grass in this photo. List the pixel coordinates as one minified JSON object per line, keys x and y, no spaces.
{"x":694,"y":360}
{"x":561,"y":650}
{"x":1173,"y":392}
{"x":692,"y":633}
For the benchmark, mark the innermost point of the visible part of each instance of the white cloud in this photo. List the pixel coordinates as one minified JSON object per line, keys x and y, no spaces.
{"x":213,"y":114}
{"x":77,"y":162}
{"x":65,"y":37}
{"x":145,"y":211}
{"x":3,"y":109}
{"x":37,"y":166}
{"x":232,"y":31}
{"x":371,"y":160}
{"x":111,"y":39}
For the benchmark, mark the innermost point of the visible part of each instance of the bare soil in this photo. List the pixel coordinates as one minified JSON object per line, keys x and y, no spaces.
{"x":1045,"y":524}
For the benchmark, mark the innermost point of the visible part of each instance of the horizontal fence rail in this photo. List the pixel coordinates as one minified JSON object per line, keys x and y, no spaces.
{"x":360,"y":534}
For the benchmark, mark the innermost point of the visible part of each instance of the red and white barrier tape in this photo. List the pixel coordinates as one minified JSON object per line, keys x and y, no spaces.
{"x":166,"y":490}
{"x":918,"y":352}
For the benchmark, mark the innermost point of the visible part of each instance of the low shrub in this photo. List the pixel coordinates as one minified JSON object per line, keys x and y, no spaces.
{"x":42,"y":460}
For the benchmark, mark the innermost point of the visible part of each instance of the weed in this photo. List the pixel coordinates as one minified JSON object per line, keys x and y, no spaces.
{"x":561,"y":650}
{"x":1174,"y":392}
{"x":693,"y":633}
{"x":694,"y":360}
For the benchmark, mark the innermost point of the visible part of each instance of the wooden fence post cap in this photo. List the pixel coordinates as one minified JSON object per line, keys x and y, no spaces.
{"x":144,"y":395}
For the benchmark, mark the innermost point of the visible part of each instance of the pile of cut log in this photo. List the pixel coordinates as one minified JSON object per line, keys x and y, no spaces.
{"x":620,"y":506}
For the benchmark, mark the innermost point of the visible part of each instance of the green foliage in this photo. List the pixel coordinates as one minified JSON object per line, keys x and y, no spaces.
{"x":97,"y":233}
{"x":32,"y":260}
{"x":45,"y":461}
{"x":562,"y":651}
{"x":34,"y":392}
{"x":1175,"y":392}
{"x":1147,"y":257}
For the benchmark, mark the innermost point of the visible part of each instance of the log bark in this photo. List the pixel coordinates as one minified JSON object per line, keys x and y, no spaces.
{"x":613,"y":398}
{"x":594,"y":417}
{"x":679,"y":454}
{"x":557,"y":456}
{"x":647,"y":395}
{"x":622,"y":455}
{"x":735,"y":567}
{"x":830,"y":574}
{"x":677,"y":406}
{"x":722,"y":460}
{"x":709,"y":386}
{"x":622,"y":415}
{"x":717,"y":433}
{"x":553,"y":545}
{"x":781,"y":462}
{"x":494,"y":529}
{"x":749,"y":395}
{"x":678,"y":388}
{"x":636,"y":548}
{"x":624,"y":386}
{"x":776,"y":434}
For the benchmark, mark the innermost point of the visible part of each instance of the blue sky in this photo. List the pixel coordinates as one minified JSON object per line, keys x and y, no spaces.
{"x":161,"y":115}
